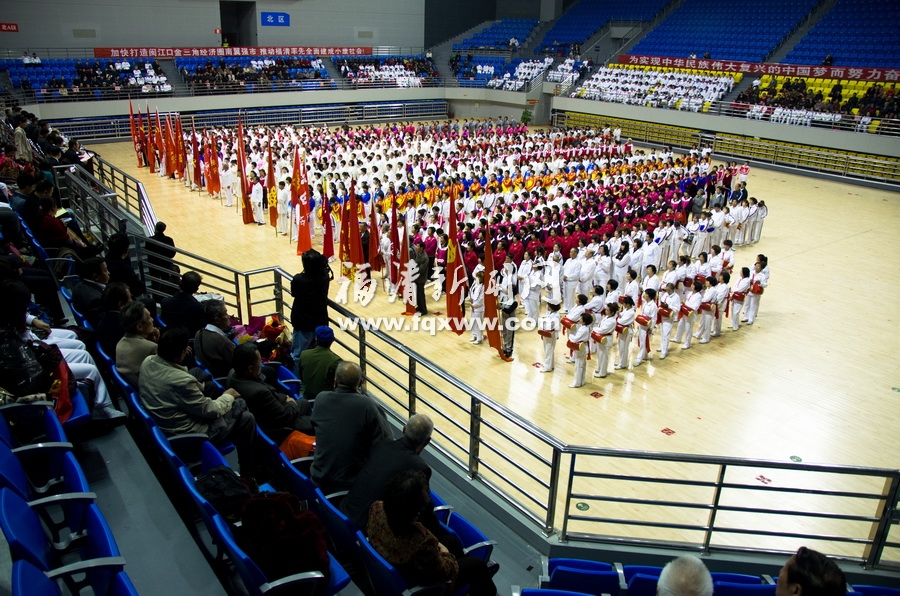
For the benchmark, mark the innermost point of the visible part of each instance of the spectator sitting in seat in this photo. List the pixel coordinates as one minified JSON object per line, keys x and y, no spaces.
{"x":685,"y":576}
{"x":282,"y":418}
{"x":318,"y":364}
{"x":138,"y":343}
{"x":182,"y":308}
{"x":810,"y":573}
{"x":386,"y":460}
{"x":88,"y":293}
{"x":109,"y":326}
{"x":347,"y":424}
{"x":394,"y":530}
{"x":22,"y":374}
{"x":175,"y":401}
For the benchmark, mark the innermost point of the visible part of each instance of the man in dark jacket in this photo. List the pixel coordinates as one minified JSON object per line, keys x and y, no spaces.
{"x":310,"y":308}
{"x":182,"y":309}
{"x":276,"y":414}
{"x":386,"y":459}
{"x":347,"y":425}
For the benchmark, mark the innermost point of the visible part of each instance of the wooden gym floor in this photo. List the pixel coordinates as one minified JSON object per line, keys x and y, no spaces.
{"x":815,"y":377}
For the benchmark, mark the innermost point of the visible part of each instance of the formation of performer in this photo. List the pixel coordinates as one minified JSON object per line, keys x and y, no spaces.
{"x":578,"y":220}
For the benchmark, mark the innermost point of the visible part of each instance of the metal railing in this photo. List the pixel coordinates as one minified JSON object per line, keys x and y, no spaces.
{"x":721,"y":504}
{"x":95,"y":206}
{"x":813,"y":159}
{"x":200,"y":89}
{"x":700,"y":503}
{"x":118,"y":127}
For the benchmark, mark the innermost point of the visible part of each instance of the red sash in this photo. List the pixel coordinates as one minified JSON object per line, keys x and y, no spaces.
{"x":545,"y":333}
{"x":643,"y":320}
{"x":756,"y":288}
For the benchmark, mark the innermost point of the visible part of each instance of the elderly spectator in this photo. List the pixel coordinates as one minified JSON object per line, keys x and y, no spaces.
{"x":347,"y":424}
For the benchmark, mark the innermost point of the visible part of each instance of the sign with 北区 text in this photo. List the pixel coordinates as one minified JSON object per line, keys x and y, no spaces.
{"x":275,"y":19}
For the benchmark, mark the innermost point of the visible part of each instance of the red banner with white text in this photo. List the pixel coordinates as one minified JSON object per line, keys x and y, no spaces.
{"x":231,"y":51}
{"x":752,"y":68}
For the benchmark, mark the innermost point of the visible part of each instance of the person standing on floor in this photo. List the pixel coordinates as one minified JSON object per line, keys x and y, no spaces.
{"x":548,"y":329}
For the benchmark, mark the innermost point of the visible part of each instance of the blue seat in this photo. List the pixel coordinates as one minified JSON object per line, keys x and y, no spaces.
{"x":42,"y":464}
{"x":257,"y":583}
{"x":551,"y":592}
{"x":735,"y":578}
{"x":474,"y":542}
{"x":28,"y":580}
{"x":99,"y":553}
{"x":578,"y":575}
{"x":47,"y":430}
{"x":341,"y":531}
{"x":642,"y":585}
{"x":739,"y":589}
{"x":73,"y":497}
{"x":866,"y":590}
{"x":630,"y":571}
{"x":384,"y":579}
{"x":288,"y":380}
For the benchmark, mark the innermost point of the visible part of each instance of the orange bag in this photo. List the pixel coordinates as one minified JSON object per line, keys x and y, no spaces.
{"x":297,"y":445}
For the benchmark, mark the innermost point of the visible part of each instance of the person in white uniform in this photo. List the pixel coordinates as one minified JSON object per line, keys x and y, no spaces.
{"x":578,"y":339}
{"x":602,"y":335}
{"x":739,"y":297}
{"x":476,"y":298}
{"x":669,"y":307}
{"x":688,"y":315}
{"x":548,"y":329}
{"x":623,"y":328}
{"x":571,"y":278}
{"x":646,"y":322}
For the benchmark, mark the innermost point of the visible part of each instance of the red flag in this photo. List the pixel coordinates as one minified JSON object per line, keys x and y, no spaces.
{"x":142,"y":141}
{"x":207,"y":161}
{"x":180,"y":157}
{"x":150,"y":143}
{"x":491,"y":314}
{"x":375,"y":260}
{"x":246,"y":207}
{"x":135,"y":139}
{"x":455,"y":273}
{"x":356,"y":253}
{"x":195,"y":152}
{"x":396,"y":263}
{"x":171,"y":160}
{"x":272,"y":193}
{"x":300,"y":201}
{"x":213,"y":182}
{"x":328,"y":234}
{"x":160,"y":142}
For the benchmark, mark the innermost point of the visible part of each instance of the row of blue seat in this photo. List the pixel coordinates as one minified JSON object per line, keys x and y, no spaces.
{"x":569,"y":577}
{"x":48,"y":514}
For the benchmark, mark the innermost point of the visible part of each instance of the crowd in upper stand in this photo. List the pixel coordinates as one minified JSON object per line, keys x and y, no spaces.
{"x":657,"y":88}
{"x":235,"y":71}
{"x":808,"y":95}
{"x":400,"y":71}
{"x":78,"y":78}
